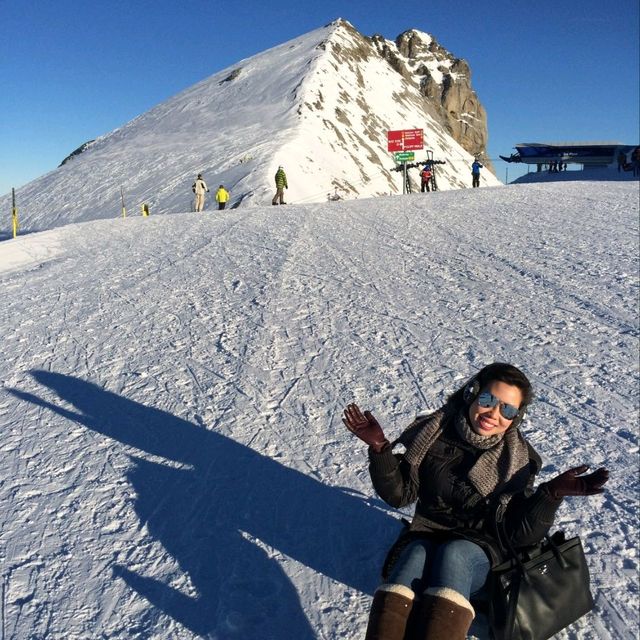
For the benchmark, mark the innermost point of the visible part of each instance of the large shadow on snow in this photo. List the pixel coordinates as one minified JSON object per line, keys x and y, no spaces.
{"x":209,"y":513}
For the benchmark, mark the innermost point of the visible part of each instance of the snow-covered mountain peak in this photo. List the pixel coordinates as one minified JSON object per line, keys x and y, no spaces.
{"x":320,"y":105}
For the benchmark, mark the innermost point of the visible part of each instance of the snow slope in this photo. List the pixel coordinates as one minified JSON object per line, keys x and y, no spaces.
{"x":320,"y":105}
{"x":172,"y":460}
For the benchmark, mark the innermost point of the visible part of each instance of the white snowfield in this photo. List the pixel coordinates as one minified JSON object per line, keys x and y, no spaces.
{"x":173,"y":461}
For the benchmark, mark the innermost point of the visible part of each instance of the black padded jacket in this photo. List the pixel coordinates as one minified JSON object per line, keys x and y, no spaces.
{"x":448,"y":505}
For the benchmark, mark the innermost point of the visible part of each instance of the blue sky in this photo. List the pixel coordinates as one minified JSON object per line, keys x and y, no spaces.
{"x":71,"y":71}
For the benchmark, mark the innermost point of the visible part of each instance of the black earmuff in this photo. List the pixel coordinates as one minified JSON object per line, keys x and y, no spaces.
{"x":519,"y":418}
{"x":471,"y":391}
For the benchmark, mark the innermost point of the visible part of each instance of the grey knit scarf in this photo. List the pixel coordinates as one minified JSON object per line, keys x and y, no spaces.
{"x":504,"y":454}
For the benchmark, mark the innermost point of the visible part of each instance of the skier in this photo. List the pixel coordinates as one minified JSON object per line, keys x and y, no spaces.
{"x":222,"y":197}
{"x":199,"y":187}
{"x":469,"y":467}
{"x":281,"y":185}
{"x":475,"y":173}
{"x":425,"y":174}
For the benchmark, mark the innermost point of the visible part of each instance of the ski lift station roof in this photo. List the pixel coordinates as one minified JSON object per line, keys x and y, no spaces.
{"x":587,"y":153}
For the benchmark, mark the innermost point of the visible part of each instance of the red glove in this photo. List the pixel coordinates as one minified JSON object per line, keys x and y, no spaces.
{"x":365,"y":426}
{"x":569,"y":484}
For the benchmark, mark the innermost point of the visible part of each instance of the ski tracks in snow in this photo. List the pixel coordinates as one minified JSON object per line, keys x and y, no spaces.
{"x":173,"y":389}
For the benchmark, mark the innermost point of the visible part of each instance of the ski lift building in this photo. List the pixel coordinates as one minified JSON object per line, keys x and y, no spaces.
{"x":588,"y":154}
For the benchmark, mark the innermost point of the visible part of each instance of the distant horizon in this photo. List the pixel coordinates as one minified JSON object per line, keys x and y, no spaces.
{"x":70,"y":81}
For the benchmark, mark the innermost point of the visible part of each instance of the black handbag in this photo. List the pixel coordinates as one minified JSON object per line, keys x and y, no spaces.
{"x":537,"y":593}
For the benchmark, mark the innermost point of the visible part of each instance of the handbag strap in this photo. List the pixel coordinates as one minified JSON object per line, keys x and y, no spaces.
{"x":510,"y":621}
{"x":518,"y":575}
{"x":505,"y":542}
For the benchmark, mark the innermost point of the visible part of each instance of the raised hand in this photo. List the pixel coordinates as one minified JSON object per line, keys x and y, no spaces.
{"x":573,"y":483}
{"x":365,"y":426}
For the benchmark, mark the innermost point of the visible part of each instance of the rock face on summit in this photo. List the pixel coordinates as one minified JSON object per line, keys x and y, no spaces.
{"x":321,"y":105}
{"x":444,"y":81}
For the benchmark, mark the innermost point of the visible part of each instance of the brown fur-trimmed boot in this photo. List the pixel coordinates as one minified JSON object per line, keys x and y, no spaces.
{"x":389,"y":613}
{"x":444,"y":614}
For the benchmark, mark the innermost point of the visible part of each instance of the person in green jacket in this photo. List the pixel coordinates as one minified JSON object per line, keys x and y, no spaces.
{"x":281,"y":185}
{"x":222,"y":197}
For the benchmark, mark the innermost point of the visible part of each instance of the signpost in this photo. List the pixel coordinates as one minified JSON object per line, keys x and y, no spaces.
{"x":404,"y":156}
{"x":405,"y":140}
{"x":402,"y":142}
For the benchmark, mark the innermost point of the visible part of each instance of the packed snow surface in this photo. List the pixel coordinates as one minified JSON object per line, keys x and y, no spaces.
{"x":173,"y":462}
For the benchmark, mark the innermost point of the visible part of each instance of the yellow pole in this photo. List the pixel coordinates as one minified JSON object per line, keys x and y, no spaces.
{"x":14,"y":214}
{"x":145,"y":210}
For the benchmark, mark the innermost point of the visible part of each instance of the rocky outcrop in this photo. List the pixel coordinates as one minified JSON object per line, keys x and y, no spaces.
{"x":77,"y":152}
{"x":445,"y":83}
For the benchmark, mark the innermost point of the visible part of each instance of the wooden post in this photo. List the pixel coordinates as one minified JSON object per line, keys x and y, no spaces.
{"x":124,"y":210}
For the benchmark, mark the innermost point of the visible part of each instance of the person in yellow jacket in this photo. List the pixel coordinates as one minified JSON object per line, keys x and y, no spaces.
{"x":222,"y":197}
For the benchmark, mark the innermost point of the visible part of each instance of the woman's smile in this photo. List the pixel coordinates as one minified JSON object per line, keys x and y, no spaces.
{"x":486,"y":423}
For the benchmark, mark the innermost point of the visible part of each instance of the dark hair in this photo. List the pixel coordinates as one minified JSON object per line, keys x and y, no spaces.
{"x":497,"y":372}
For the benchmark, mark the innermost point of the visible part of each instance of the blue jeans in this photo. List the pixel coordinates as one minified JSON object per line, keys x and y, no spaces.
{"x":460,"y":565}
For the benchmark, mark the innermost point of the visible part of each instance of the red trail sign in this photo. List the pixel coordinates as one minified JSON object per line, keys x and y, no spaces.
{"x":404,"y":140}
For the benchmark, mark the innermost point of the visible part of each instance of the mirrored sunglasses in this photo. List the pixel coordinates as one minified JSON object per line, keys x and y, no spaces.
{"x":487,"y":400}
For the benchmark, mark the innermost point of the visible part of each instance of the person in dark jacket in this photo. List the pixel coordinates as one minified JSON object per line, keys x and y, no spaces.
{"x":622,"y":160}
{"x":475,"y":173}
{"x":469,"y":470}
{"x":635,"y":162}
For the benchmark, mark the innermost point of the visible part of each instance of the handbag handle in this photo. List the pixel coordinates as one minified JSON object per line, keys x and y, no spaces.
{"x":504,"y":540}
{"x":556,"y":552}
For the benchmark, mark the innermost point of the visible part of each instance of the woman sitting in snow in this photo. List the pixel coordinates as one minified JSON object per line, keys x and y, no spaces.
{"x":468,"y":467}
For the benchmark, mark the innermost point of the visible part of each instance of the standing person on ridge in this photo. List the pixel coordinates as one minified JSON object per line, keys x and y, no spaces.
{"x":281,"y":185}
{"x":199,"y":187}
{"x":470,"y":471}
{"x":222,"y":197}
{"x":425,"y":174}
{"x":475,"y":173}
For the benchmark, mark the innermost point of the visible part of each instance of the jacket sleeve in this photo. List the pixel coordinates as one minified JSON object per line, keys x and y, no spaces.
{"x":393,"y":479}
{"x":528,"y":518}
